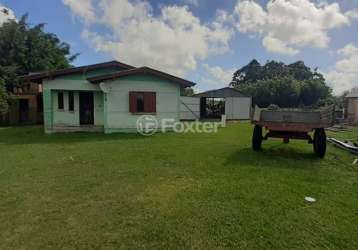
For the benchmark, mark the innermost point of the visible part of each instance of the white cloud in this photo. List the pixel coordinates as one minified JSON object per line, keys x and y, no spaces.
{"x":344,"y":75}
{"x":82,"y":8}
{"x":6,"y":14}
{"x":174,"y":41}
{"x":287,"y":26}
{"x":252,"y":17}
{"x":276,"y":45}
{"x":348,"y":50}
{"x":216,"y":77}
{"x":352,"y":14}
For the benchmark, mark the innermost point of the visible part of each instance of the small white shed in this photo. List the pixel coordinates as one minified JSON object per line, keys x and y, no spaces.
{"x":226,"y":101}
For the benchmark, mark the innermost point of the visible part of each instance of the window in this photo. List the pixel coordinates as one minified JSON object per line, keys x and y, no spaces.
{"x":60,"y":100}
{"x":142,"y":102}
{"x":71,"y":101}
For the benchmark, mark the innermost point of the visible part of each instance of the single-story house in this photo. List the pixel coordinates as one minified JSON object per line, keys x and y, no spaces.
{"x":108,"y":97}
{"x":225,"y":101}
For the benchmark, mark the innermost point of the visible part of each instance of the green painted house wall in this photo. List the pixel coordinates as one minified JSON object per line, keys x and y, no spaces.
{"x":119,"y":119}
{"x":54,"y":119}
{"x":47,"y":110}
{"x":111,"y":110}
{"x":65,"y":117}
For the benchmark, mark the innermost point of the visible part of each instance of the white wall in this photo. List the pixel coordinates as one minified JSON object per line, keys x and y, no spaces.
{"x":189,"y":108}
{"x":238,"y":108}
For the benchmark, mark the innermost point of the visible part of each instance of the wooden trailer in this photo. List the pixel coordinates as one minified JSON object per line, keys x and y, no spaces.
{"x":292,"y":124}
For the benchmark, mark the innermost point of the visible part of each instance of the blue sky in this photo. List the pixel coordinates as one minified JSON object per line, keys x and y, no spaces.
{"x":206,"y":40}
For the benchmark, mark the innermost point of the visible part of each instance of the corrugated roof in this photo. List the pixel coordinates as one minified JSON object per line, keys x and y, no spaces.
{"x":221,"y":93}
{"x":74,"y":70}
{"x":142,"y":70}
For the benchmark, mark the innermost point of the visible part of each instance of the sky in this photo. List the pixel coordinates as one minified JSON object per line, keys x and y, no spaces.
{"x":204,"y":41}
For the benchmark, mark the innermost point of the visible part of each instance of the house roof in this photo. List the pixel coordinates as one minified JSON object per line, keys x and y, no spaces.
{"x":141,"y":70}
{"x":352,"y":95}
{"x":221,"y":93}
{"x":82,"y":69}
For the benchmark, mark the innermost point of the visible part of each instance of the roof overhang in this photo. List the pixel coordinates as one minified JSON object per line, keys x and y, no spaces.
{"x":352,"y":95}
{"x":74,"y":70}
{"x":143,"y":70}
{"x":221,"y":93}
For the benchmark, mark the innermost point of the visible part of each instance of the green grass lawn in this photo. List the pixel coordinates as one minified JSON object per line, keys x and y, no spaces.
{"x":76,"y":191}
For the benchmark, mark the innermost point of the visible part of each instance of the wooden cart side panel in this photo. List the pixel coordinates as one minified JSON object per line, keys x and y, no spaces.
{"x":291,"y":116}
{"x":327,"y":116}
{"x":257,"y":114}
{"x":285,"y":120}
{"x":281,"y":126}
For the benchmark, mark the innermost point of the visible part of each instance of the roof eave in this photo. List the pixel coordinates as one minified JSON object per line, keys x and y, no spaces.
{"x":74,"y":70}
{"x":209,"y":93}
{"x":143,"y":70}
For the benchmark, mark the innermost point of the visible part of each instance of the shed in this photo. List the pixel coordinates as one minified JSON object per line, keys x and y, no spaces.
{"x":352,"y":111}
{"x":225,"y":101}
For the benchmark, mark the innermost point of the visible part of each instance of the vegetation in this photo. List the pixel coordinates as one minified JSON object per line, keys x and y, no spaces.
{"x":187,"y":91}
{"x":25,"y":49}
{"x":170,"y":191}
{"x":3,"y":98}
{"x":284,"y":85}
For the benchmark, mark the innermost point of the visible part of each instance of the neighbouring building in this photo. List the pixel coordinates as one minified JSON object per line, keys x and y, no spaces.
{"x":25,"y":106}
{"x":213,"y":104}
{"x":352,"y":110}
{"x":108,"y":97}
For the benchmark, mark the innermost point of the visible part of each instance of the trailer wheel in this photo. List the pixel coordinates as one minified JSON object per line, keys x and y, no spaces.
{"x":319,"y":142}
{"x":257,"y":138}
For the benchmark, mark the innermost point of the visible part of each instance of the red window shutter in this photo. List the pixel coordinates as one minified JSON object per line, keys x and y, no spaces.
{"x":132,"y":102}
{"x":150,"y":102}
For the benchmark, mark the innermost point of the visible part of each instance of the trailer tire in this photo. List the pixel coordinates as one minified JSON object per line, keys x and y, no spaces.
{"x":257,"y":138}
{"x":319,"y":142}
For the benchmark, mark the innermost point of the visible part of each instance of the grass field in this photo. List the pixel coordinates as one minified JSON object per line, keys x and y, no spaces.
{"x":206,"y":191}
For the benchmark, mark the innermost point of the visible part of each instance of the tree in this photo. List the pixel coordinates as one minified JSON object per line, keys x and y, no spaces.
{"x":266,"y":92}
{"x":25,"y":49}
{"x":187,"y":91}
{"x":290,"y":85}
{"x":3,"y":98}
{"x":249,"y":73}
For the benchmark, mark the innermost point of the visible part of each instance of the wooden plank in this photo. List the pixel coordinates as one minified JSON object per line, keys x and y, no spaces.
{"x":292,"y":119}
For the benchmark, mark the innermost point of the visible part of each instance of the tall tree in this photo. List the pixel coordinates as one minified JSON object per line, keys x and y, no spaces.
{"x":25,"y":49}
{"x":249,"y":73}
{"x":3,"y":98}
{"x":284,"y":85}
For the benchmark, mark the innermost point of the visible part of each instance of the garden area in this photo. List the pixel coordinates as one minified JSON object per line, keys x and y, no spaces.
{"x":204,"y":191}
